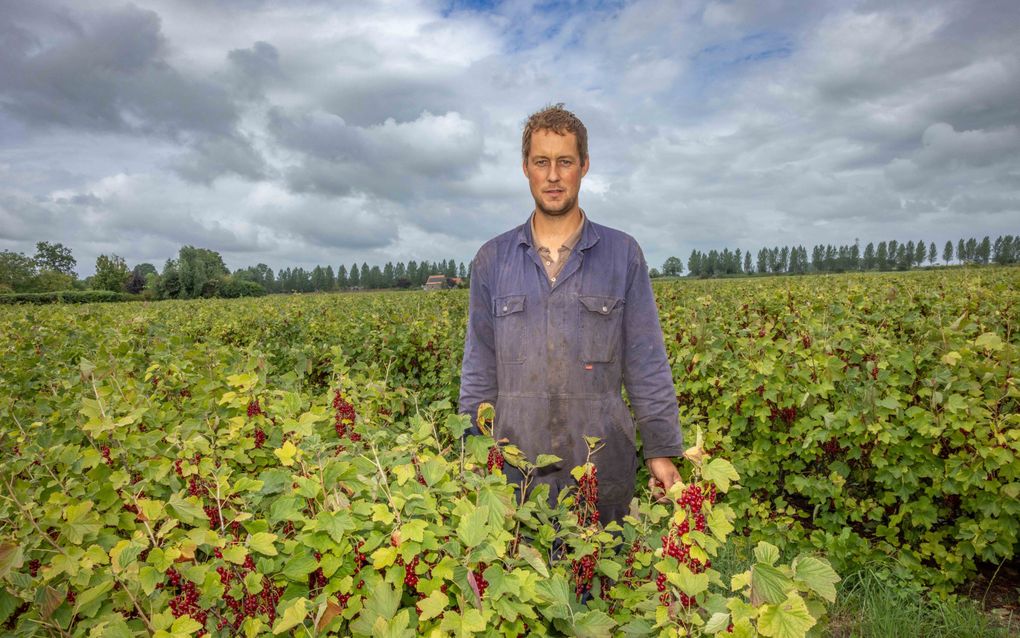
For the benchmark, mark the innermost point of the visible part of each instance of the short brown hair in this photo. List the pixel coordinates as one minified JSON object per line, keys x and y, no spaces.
{"x":559,"y":120}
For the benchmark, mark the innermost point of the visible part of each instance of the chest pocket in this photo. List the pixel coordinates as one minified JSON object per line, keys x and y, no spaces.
{"x":601,"y":324}
{"x":510,"y":328}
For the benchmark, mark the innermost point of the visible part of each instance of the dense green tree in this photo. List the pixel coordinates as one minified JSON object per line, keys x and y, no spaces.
{"x":341,"y":278}
{"x":947,"y":252}
{"x":672,"y":267}
{"x":933,"y":254}
{"x":983,"y":252}
{"x":55,"y":257}
{"x":882,"y":256}
{"x":747,"y":262}
{"x":354,"y":276}
{"x":961,"y":251}
{"x":111,"y":273}
{"x":16,"y":272}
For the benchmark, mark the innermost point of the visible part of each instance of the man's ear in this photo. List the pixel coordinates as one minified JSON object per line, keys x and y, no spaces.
{"x":584,"y":167}
{"x":524,"y":167}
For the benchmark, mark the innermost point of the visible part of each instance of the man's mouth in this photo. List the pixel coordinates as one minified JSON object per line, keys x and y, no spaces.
{"x":554,"y":192}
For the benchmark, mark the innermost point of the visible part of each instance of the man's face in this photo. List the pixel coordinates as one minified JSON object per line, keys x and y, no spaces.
{"x":554,"y":171}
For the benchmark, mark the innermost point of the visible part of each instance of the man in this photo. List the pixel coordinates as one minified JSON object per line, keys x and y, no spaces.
{"x":561,"y":315}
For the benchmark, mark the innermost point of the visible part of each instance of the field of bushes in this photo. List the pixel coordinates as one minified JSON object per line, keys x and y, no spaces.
{"x":294,"y":464}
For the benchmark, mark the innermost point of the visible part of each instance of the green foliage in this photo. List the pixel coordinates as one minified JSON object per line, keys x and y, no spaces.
{"x":55,"y":257}
{"x":111,"y":273}
{"x":132,"y":446}
{"x":66,"y":296}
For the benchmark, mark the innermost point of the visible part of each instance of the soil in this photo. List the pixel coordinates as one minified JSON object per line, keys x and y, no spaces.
{"x":996,"y":589}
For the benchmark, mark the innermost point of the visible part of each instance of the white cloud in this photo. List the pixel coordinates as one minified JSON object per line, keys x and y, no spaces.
{"x":302,"y":133}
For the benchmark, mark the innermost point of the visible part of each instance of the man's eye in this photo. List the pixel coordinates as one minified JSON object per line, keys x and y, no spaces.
{"x":541,"y":162}
{"x":565,"y":162}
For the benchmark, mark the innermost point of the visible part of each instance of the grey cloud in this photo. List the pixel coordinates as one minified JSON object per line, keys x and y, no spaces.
{"x":215,"y":157}
{"x":255,"y":67}
{"x":106,"y":71}
{"x":394,"y":160}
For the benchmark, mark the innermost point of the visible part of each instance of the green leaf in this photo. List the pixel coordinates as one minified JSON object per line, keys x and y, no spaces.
{"x":189,"y":510}
{"x":235,"y":554}
{"x":384,"y":601}
{"x":717,"y":623}
{"x":433,"y":605}
{"x":473,"y":528}
{"x":791,"y":619}
{"x":458,"y":424}
{"x":467,"y":624}
{"x":989,"y":340}
{"x":721,"y":472}
{"x":8,"y":603}
{"x":299,"y":566}
{"x":414,"y":530}
{"x":336,"y":524}
{"x":534,"y":558}
{"x":718,"y":521}
{"x":689,"y":583}
{"x":252,"y":627}
{"x":293,"y":615}
{"x":384,"y":557}
{"x":11,"y":558}
{"x":286,"y":453}
{"x":556,"y":592}
{"x":148,"y":578}
{"x":766,"y":553}
{"x":818,"y":575}
{"x":262,"y":542}
{"x":593,"y":624}
{"x":768,"y":584}
{"x":185,"y":625}
{"x":543,"y":460}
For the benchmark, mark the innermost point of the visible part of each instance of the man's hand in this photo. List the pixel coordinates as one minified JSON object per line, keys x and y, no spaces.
{"x":664,"y":475}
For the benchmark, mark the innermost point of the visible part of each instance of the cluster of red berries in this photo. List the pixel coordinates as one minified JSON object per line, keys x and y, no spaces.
{"x":410,"y":578}
{"x":587,"y":503}
{"x":788,"y":415}
{"x":692,"y":500}
{"x":806,"y":341}
{"x":495,"y":459}
{"x":584,"y":572}
{"x":195,"y":486}
{"x":831,"y":448}
{"x":480,"y":579}
{"x":317,"y":579}
{"x":250,"y":605}
{"x":186,"y":603}
{"x":360,"y":559}
{"x":71,"y":597}
{"x":33,"y":567}
{"x":254,"y":408}
{"x":344,"y":417}
{"x":105,"y":451}
{"x":260,"y":437}
{"x":417,"y":471}
{"x":213,"y":513}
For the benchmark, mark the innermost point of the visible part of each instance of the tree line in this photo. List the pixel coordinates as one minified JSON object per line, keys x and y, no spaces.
{"x":201,"y":272}
{"x":886,"y":255}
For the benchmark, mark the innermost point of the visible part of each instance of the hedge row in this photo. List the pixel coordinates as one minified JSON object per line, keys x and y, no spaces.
{"x":66,"y":296}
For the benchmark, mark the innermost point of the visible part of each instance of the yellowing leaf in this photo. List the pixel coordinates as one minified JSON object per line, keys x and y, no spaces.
{"x":791,"y":619}
{"x":434,"y":605}
{"x":286,"y":453}
{"x":293,"y":615}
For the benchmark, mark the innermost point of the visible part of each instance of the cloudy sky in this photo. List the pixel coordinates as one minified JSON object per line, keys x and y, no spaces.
{"x":307,"y":132}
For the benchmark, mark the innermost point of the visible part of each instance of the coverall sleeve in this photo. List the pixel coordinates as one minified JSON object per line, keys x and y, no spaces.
{"x":646,"y":372}
{"x":478,"y":371}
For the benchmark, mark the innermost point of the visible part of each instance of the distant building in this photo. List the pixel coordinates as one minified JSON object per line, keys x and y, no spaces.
{"x":441,"y":282}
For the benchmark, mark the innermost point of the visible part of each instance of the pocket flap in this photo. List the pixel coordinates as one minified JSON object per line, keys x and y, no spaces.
{"x":599,"y":304}
{"x":502,"y":306}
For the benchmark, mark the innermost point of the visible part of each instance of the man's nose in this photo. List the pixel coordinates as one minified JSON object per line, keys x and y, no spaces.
{"x":553,"y":174}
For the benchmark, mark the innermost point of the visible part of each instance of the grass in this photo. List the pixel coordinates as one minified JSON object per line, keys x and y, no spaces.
{"x":868,"y":605}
